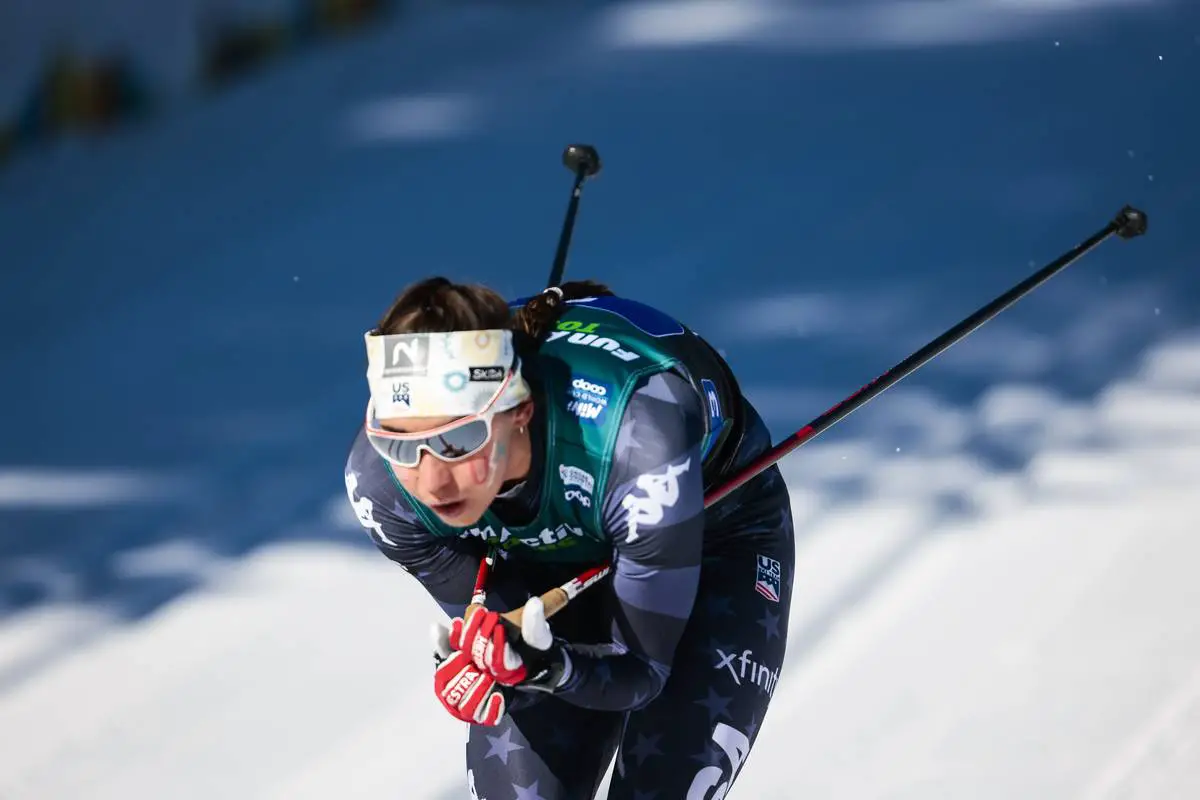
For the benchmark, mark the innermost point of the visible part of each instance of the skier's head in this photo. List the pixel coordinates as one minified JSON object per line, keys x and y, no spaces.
{"x":450,"y":408}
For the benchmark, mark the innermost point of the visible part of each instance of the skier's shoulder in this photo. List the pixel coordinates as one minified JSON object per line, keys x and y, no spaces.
{"x":662,"y":425}
{"x":660,"y":402}
{"x":618,"y":310}
{"x":630,"y":330}
{"x":368,"y":471}
{"x":370,"y":485}
{"x":645,"y":318}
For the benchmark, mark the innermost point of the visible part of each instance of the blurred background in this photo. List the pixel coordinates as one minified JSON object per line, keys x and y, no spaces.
{"x":204,"y":203}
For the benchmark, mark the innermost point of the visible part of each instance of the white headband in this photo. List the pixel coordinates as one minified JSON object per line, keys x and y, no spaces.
{"x":442,"y":374}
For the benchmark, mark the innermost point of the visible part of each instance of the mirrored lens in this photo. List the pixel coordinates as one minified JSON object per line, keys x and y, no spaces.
{"x":452,"y":445}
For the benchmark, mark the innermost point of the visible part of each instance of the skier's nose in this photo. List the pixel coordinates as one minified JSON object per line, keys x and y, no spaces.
{"x":434,"y":476}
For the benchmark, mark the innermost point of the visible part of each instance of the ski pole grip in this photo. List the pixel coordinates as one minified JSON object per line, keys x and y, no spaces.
{"x":553,"y":601}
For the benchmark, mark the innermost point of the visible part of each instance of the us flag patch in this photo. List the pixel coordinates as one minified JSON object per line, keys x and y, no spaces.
{"x":767,"y":579}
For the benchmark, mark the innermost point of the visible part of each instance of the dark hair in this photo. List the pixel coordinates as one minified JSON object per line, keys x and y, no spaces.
{"x":436,"y":305}
{"x":535,"y":319}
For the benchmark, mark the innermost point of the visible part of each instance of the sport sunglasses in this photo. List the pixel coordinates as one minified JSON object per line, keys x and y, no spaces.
{"x":454,"y":441}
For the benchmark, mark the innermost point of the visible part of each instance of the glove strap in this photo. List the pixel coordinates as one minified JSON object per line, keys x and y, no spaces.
{"x":552,"y":675}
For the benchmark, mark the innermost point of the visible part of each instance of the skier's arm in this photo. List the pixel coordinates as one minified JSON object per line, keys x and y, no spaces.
{"x":445,"y":567}
{"x":654,"y":510}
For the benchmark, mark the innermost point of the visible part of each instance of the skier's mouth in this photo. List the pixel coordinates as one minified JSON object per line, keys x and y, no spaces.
{"x":452,"y":509}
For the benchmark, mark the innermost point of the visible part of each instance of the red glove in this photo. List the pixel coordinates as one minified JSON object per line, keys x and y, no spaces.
{"x":467,"y":692}
{"x":488,"y":640}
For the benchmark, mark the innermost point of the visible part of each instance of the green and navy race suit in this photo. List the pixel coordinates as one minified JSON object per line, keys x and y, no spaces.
{"x":635,"y":416}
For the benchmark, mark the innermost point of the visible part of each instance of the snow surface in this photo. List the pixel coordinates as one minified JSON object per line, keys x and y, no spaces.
{"x":995,"y":591}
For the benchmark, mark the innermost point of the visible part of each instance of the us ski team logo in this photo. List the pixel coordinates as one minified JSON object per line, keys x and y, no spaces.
{"x":766,"y":582}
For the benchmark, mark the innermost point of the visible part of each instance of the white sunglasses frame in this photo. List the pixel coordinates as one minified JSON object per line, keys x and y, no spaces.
{"x":485,"y":415}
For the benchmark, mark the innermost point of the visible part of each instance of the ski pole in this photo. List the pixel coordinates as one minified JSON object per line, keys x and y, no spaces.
{"x":557,"y":598}
{"x":1128,"y":224}
{"x":584,"y":161}
{"x":479,"y":593}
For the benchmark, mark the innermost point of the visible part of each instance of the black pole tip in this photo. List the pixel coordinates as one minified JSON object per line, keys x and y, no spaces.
{"x":1130,"y":222}
{"x":582,"y":159}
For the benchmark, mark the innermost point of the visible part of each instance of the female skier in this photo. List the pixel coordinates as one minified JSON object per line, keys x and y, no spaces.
{"x":571,"y":430}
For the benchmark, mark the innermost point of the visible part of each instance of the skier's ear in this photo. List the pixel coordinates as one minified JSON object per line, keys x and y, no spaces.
{"x":522,"y":414}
